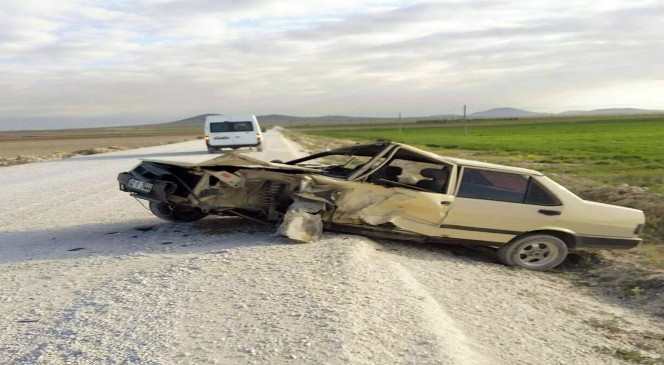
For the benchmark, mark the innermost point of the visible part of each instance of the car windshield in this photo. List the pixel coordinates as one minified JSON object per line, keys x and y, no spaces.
{"x":337,"y":165}
{"x":341,"y":162}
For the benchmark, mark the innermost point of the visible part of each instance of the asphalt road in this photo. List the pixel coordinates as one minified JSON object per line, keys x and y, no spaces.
{"x":89,"y":276}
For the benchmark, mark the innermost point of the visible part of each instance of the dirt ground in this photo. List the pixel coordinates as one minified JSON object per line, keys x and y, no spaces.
{"x":22,"y":147}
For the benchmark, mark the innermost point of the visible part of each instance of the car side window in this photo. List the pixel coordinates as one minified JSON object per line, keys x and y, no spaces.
{"x":493,"y":185}
{"x":538,"y":195}
{"x":417,"y":175}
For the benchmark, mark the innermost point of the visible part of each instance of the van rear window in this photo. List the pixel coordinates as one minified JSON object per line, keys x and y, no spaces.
{"x":221,"y":127}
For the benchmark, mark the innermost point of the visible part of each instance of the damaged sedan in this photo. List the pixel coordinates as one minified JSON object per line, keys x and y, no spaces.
{"x":391,"y":190}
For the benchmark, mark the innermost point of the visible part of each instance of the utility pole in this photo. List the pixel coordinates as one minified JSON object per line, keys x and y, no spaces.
{"x":465,"y":121}
{"x":400,"y":126}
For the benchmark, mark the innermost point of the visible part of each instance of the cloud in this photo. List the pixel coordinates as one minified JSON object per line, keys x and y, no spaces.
{"x":160,"y":60}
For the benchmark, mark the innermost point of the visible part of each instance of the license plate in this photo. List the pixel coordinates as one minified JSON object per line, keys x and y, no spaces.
{"x":143,"y":186}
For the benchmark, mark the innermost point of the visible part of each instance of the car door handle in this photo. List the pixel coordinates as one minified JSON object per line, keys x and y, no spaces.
{"x":445,"y":203}
{"x":549,"y":212}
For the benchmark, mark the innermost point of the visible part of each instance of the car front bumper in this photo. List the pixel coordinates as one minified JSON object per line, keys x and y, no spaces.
{"x":207,"y":143}
{"x":160,"y":189}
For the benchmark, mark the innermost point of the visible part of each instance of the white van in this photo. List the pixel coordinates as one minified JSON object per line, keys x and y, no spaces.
{"x":232,"y":131}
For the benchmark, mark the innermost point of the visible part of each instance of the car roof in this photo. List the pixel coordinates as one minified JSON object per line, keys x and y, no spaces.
{"x":468,"y":163}
{"x":231,"y":118}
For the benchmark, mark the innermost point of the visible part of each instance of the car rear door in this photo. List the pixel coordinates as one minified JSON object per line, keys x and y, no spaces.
{"x":496,"y":206}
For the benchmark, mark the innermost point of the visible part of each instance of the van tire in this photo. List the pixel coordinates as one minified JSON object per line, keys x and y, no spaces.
{"x":538,"y":252}
{"x":179,"y":214}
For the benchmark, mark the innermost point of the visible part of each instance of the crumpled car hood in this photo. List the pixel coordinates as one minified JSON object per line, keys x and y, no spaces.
{"x":316,"y":199}
{"x":234,"y":159}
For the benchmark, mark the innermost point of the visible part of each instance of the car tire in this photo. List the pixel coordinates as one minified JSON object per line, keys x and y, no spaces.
{"x":212,"y":150}
{"x":538,"y":252}
{"x":502,"y":257}
{"x":178,"y":214}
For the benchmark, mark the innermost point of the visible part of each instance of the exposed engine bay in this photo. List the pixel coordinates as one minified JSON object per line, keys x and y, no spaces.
{"x":302,"y":197}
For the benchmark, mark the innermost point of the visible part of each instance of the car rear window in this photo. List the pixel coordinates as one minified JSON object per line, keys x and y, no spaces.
{"x":221,"y":127}
{"x":492,"y":185}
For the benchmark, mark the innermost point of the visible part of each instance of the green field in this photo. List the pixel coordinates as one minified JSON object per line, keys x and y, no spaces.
{"x":615,"y":151}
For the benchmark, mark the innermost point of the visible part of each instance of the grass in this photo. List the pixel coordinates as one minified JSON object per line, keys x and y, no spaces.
{"x":613,"y":151}
{"x":633,"y":356}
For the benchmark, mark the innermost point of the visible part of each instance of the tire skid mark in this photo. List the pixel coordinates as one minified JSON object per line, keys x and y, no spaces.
{"x":450,"y":336}
{"x":451,"y":344}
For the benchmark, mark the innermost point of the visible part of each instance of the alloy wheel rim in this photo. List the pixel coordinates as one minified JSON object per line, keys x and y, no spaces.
{"x":537,"y":253}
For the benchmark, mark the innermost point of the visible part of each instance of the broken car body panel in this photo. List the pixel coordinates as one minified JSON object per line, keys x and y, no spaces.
{"x":409,"y":210}
{"x":388,"y":189}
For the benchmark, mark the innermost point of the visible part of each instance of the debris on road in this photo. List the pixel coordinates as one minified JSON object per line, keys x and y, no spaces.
{"x":145,"y":228}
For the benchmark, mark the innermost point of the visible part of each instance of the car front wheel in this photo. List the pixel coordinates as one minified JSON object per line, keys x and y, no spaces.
{"x":535,"y":252}
{"x":176,"y":213}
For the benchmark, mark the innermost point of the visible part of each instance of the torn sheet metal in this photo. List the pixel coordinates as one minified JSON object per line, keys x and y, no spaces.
{"x":303,"y":201}
{"x":303,"y":221}
{"x":235,"y":159}
{"x":376,"y":205}
{"x":244,"y":189}
{"x":228,"y":178}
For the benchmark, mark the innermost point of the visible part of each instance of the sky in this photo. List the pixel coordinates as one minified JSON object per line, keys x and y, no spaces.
{"x":76,"y":63}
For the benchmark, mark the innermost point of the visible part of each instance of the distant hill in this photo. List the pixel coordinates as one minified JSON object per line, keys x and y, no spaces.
{"x":495,"y":113}
{"x":506,"y":113}
{"x":285,"y":120}
{"x":337,"y":119}
{"x":499,"y":113}
{"x":267,"y":120}
{"x":342,"y":119}
{"x":612,"y":111}
{"x":195,"y":121}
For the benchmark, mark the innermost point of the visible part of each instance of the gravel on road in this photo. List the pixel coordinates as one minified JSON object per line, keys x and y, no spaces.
{"x":89,"y":276}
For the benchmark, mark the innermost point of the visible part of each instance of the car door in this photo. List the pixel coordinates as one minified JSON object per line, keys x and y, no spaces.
{"x":382,"y":200}
{"x":495,"y":206}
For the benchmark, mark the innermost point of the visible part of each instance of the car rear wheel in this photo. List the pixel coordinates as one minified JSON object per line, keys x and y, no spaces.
{"x":176,"y":213}
{"x":535,"y":252}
